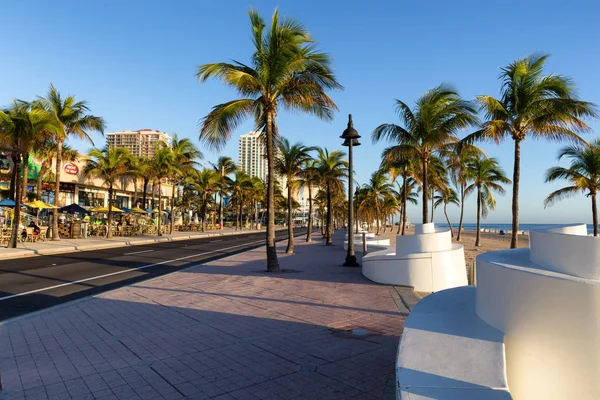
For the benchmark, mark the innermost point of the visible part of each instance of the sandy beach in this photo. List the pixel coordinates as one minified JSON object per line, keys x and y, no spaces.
{"x":489,"y":241}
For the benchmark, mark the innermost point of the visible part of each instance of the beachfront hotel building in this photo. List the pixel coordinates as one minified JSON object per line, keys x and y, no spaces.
{"x":252,"y":159}
{"x":141,"y":143}
{"x":252,"y":155}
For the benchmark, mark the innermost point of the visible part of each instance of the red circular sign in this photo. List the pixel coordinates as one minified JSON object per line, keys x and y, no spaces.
{"x":71,"y":168}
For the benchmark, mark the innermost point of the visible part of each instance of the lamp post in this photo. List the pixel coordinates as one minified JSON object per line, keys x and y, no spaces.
{"x":350,"y":137}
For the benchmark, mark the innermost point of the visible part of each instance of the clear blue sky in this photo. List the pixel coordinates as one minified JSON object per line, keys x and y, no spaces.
{"x":134,"y":61}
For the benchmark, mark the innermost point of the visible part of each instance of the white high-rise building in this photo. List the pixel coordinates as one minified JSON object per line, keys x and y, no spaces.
{"x":252,"y":155}
{"x":141,"y":143}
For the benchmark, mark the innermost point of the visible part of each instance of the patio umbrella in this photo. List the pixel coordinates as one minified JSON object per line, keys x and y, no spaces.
{"x":74,"y":208}
{"x":7,"y":203}
{"x":126,"y":210}
{"x":105,"y":210}
{"x":39,"y":205}
{"x":138,"y":210}
{"x":149,"y":210}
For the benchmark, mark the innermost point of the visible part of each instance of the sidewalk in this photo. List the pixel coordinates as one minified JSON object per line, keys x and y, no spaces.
{"x":95,"y":243}
{"x":221,"y":330}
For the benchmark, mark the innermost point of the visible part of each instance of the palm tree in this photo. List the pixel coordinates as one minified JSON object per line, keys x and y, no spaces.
{"x":390,"y":207}
{"x":257,"y":196}
{"x":376,"y":191}
{"x":162,"y":168}
{"x":239,"y":187}
{"x":145,"y":169}
{"x":428,"y":129}
{"x":73,"y":118}
{"x":46,"y":153}
{"x":309,"y":179}
{"x":207,"y":183}
{"x":332,"y":168}
{"x":583,"y":175}
{"x":289,"y":164}
{"x":457,"y":162}
{"x":531,"y":105}
{"x":404,"y":168}
{"x":224,"y":167}
{"x":445,"y":197}
{"x":487,"y":177}
{"x":286,"y":69}
{"x":185,"y":155}
{"x":109,"y":164}
{"x":21,"y":126}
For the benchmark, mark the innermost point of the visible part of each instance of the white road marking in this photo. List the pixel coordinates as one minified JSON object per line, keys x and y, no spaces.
{"x":138,"y":252}
{"x":124,"y":271}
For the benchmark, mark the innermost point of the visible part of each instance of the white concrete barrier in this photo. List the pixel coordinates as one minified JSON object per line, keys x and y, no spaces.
{"x":547,"y":302}
{"x":428,"y":261}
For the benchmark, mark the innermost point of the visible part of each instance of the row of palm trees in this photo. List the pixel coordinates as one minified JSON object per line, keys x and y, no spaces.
{"x":379,"y":200}
{"x":531,"y":104}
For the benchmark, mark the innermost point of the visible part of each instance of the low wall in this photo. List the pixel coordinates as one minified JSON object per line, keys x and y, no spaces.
{"x":425,"y":272}
{"x":551,"y":320}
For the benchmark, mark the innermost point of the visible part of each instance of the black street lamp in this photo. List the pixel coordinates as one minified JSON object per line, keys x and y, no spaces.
{"x":350,"y":137}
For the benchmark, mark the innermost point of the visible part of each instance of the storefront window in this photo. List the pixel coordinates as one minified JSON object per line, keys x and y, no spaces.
{"x":88,"y":199}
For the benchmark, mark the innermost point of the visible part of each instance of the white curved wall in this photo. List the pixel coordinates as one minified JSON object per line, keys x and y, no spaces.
{"x":422,"y":243}
{"x":425,"y":272}
{"x":568,"y":250}
{"x":551,"y":320}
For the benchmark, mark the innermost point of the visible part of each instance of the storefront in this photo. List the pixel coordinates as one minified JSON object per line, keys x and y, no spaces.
{"x":91,"y":197}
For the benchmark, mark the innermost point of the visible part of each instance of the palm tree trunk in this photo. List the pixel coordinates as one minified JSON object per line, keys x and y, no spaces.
{"x":40,"y":182}
{"x":328,"y":230}
{"x":290,"y":245}
{"x":448,"y":219}
{"x":221,"y":199}
{"x":272,"y":261}
{"x":172,"y":209}
{"x":135,"y":191}
{"x":59,"y":149}
{"x":404,"y":201}
{"x":145,"y":188}
{"x":204,"y":212}
{"x":425,"y":192}
{"x":159,"y":208}
{"x":432,"y":207}
{"x":514,"y":240}
{"x":14,"y":175}
{"x":310,"y":212}
{"x":462,"y":211}
{"x":478,"y":234}
{"x":152,"y":201}
{"x":14,"y":236}
{"x":377,"y":217}
{"x":109,"y":233}
{"x":25,"y":174}
{"x":594,"y":214}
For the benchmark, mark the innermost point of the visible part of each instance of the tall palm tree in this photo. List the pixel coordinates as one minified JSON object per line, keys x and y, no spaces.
{"x":427,"y":129}
{"x":390,"y":207}
{"x":404,"y":168}
{"x":332,"y":168}
{"x":109,"y":164}
{"x":309,"y":179}
{"x":583,"y":175}
{"x":162,"y":168}
{"x":285,"y":69}
{"x":289,"y":164}
{"x":185,"y":155}
{"x":487,"y":177}
{"x":239,"y":187}
{"x":532,"y":105}
{"x":376,"y":190}
{"x":257,"y":196}
{"x":444,"y":197}
{"x":457,"y":161}
{"x":146,"y":171}
{"x":21,"y":126}
{"x":224,"y":166}
{"x":46,"y":153}
{"x":73,"y":118}
{"x":207,"y":183}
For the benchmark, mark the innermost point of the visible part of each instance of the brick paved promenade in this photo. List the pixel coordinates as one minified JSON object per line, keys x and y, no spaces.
{"x":223,"y":330}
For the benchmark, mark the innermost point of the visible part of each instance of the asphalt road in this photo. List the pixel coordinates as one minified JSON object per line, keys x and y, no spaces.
{"x":31,"y":284}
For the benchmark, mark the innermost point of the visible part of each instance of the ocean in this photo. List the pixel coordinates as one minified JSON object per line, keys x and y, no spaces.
{"x":522,"y":227}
